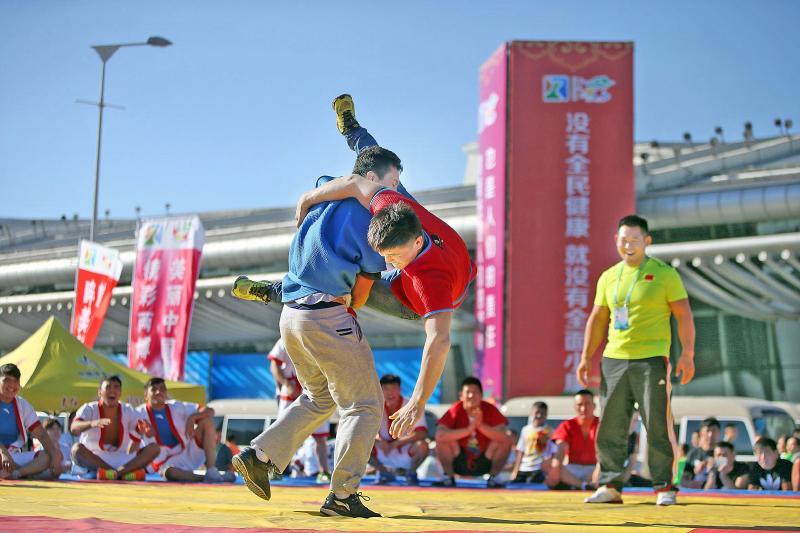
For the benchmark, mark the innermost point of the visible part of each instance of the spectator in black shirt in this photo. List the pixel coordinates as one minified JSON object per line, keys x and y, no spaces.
{"x":770,"y":472}
{"x":701,"y":459}
{"x":727,"y":472}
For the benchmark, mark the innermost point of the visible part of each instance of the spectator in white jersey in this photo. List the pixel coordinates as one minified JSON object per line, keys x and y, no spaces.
{"x":185,"y":434}
{"x":534,"y":448}
{"x":405,"y":453}
{"x":110,"y":430}
{"x":289,"y":389}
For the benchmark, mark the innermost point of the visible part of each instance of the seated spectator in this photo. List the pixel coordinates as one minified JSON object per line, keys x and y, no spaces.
{"x":796,"y":476}
{"x":632,"y":477}
{"x":781,"y":444}
{"x":230,"y":442}
{"x":680,"y":464}
{"x":405,"y":453}
{"x":574,"y":464}
{"x":770,"y":472}
{"x":700,"y":460}
{"x":726,"y":472}
{"x":534,"y":448}
{"x":17,"y":420}
{"x":109,"y":429}
{"x":305,"y":462}
{"x":54,"y":428}
{"x":694,"y":440}
{"x":185,"y":435}
{"x":471,"y":437}
{"x":792,"y":449}
{"x":730,"y":433}
{"x":224,"y":460}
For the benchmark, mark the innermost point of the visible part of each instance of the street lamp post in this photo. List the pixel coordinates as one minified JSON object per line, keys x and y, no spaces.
{"x":105,"y":52}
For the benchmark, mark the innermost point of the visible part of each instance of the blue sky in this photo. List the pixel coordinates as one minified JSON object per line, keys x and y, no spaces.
{"x":236,"y":114}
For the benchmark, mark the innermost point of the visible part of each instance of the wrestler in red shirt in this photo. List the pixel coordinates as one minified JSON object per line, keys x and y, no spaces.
{"x":434,"y":267}
{"x":471,"y":437}
{"x":576,"y":439}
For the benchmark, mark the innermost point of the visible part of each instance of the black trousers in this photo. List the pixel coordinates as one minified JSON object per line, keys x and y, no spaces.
{"x":646,"y":382}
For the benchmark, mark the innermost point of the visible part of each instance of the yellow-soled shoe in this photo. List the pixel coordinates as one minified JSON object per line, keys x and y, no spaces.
{"x":345,"y":113}
{"x":246,"y":289}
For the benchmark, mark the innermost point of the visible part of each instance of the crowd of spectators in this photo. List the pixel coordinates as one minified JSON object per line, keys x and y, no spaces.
{"x":712,"y":465}
{"x":472,"y":439}
{"x":469,"y":442}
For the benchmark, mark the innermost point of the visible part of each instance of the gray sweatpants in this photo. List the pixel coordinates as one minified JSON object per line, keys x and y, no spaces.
{"x":336,"y":368}
{"x":645,"y":381}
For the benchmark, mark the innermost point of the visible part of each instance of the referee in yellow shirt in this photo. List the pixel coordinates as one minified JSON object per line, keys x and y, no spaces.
{"x":632,"y":306}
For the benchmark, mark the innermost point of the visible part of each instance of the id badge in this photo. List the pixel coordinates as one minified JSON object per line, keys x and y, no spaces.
{"x":621,"y":318}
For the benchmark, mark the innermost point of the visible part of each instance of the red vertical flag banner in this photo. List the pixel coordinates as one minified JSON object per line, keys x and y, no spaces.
{"x":556,"y":176}
{"x":99,"y":269}
{"x":570,"y":179}
{"x":491,"y":234}
{"x":167,"y":266}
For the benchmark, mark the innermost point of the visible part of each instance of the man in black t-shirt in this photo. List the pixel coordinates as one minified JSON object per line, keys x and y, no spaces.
{"x":770,"y":472}
{"x":727,"y":472}
{"x":700,"y":460}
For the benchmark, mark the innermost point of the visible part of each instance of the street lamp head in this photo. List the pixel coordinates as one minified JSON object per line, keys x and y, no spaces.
{"x":158,"y":41}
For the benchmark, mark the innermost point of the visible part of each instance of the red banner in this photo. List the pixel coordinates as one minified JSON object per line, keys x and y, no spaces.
{"x":98,"y":272}
{"x":491,"y":234}
{"x":167,"y":266}
{"x":556,"y":149}
{"x":570,"y":179}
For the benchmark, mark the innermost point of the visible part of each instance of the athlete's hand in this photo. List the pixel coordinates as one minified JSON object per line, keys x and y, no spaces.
{"x":144,"y":428}
{"x":101,"y":422}
{"x":190,"y":429}
{"x":582,"y":372}
{"x":301,"y":210}
{"x":405,"y":419}
{"x":477,"y":417}
{"x":5,"y":460}
{"x":685,"y":368}
{"x":383,"y":446}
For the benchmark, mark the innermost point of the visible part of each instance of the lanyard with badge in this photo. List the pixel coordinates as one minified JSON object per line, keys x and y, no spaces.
{"x":621,"y":313}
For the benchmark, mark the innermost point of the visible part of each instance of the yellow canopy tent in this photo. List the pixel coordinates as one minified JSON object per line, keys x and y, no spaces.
{"x":60,"y":374}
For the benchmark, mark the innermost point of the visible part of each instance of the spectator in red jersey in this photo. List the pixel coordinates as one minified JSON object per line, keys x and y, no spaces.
{"x":471,"y":437}
{"x":575,"y":463}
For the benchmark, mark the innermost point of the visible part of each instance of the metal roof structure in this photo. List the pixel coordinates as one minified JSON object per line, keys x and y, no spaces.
{"x":677,"y":186}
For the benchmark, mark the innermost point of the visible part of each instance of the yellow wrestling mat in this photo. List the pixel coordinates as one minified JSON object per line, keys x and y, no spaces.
{"x":98,"y":506}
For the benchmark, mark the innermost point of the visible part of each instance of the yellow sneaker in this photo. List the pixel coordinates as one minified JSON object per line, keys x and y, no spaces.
{"x":246,"y":289}
{"x":345,"y":113}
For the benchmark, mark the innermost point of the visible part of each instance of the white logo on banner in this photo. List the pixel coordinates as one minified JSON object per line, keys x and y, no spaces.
{"x":561,"y":88}
{"x":487,"y":112}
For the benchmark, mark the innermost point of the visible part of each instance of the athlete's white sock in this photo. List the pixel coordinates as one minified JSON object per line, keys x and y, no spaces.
{"x":261,"y":454}
{"x":341,"y":495}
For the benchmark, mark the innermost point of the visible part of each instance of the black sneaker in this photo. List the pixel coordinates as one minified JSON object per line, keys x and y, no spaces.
{"x":492,"y":483}
{"x":350,"y":506}
{"x":345,"y":113}
{"x":256,"y":473}
{"x":448,"y":481}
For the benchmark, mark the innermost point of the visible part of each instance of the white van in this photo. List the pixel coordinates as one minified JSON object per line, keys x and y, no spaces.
{"x":246,"y":418}
{"x":793,"y":409}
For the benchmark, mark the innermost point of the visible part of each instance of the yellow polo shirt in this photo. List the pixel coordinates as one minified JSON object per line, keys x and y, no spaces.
{"x":648,"y":332}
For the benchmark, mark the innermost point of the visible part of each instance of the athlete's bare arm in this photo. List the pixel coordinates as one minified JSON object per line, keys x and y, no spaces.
{"x":434,"y":356}
{"x":353,"y":186}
